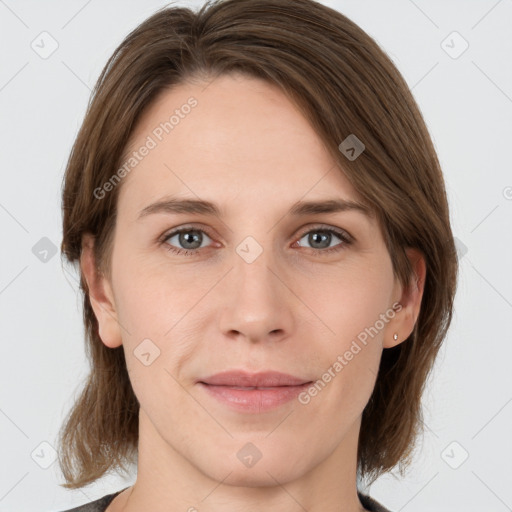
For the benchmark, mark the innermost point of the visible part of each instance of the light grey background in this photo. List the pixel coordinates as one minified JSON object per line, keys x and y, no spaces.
{"x":467,"y":104}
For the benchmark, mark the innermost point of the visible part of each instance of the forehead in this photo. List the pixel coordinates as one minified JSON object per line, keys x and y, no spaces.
{"x":232,"y":137}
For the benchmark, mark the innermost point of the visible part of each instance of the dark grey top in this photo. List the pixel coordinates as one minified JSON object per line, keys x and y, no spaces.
{"x":98,"y":505}
{"x":101,"y":504}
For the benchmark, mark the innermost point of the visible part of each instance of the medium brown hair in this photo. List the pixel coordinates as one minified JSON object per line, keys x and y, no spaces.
{"x":344,"y":84}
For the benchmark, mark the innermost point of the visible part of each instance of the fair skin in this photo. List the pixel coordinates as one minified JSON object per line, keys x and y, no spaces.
{"x":246,"y":148}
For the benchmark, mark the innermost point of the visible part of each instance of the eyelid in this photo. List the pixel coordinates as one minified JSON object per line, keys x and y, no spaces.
{"x":320,"y":227}
{"x":345,"y":237}
{"x":185,"y":227}
{"x":303,"y":232}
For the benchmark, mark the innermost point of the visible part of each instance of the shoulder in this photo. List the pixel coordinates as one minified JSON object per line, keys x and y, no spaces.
{"x":102,"y":503}
{"x":98,"y":505}
{"x":370,"y":504}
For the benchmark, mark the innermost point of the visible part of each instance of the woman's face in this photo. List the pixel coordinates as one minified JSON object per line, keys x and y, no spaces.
{"x":262,"y":288}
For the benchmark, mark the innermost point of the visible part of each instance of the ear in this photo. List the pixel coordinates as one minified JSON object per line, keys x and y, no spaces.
{"x":410,"y":301}
{"x":100,"y":295}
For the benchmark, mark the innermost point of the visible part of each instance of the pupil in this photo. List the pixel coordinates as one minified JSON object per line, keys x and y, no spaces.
{"x":316,"y":237}
{"x":186,"y":238}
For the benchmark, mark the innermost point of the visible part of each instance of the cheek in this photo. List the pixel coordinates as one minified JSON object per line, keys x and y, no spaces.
{"x":350,"y":299}
{"x":338,"y":304}
{"x":351,"y":303}
{"x":150,"y":297}
{"x":156,"y":346}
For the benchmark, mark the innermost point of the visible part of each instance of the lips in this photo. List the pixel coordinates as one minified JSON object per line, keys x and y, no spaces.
{"x":253,"y":393}
{"x":260,"y":380}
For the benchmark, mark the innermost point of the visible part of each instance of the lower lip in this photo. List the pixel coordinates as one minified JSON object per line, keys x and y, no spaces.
{"x":254,"y":400}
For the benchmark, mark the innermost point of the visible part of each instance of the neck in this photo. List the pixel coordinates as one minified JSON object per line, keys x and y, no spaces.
{"x":168,"y":481}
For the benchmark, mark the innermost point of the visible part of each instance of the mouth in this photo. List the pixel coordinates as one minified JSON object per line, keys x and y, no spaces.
{"x":249,"y":388}
{"x":253,"y":393}
{"x":243,"y":379}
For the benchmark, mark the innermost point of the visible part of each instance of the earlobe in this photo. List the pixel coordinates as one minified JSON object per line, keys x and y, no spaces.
{"x":100,"y":295}
{"x":409,"y":302}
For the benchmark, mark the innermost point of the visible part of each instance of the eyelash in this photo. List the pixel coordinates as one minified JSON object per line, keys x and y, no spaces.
{"x":345,"y":240}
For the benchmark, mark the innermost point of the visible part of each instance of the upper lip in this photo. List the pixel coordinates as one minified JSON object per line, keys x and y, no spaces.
{"x":242,"y":378}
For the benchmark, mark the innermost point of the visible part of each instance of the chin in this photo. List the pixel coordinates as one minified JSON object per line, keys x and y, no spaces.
{"x":278,"y":468}
{"x":267,"y":476}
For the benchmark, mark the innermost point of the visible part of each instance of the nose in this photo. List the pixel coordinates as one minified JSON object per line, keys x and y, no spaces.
{"x":257,"y":303}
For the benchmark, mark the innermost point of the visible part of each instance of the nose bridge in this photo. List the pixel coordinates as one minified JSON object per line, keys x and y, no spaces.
{"x":258,"y":304}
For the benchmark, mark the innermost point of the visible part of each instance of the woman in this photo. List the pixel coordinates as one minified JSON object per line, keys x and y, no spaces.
{"x":267,"y":262}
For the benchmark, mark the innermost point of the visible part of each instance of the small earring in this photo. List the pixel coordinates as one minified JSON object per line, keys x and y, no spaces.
{"x":395,"y":336}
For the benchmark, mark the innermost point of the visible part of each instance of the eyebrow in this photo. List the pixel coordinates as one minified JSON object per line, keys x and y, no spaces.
{"x":300,"y":208}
